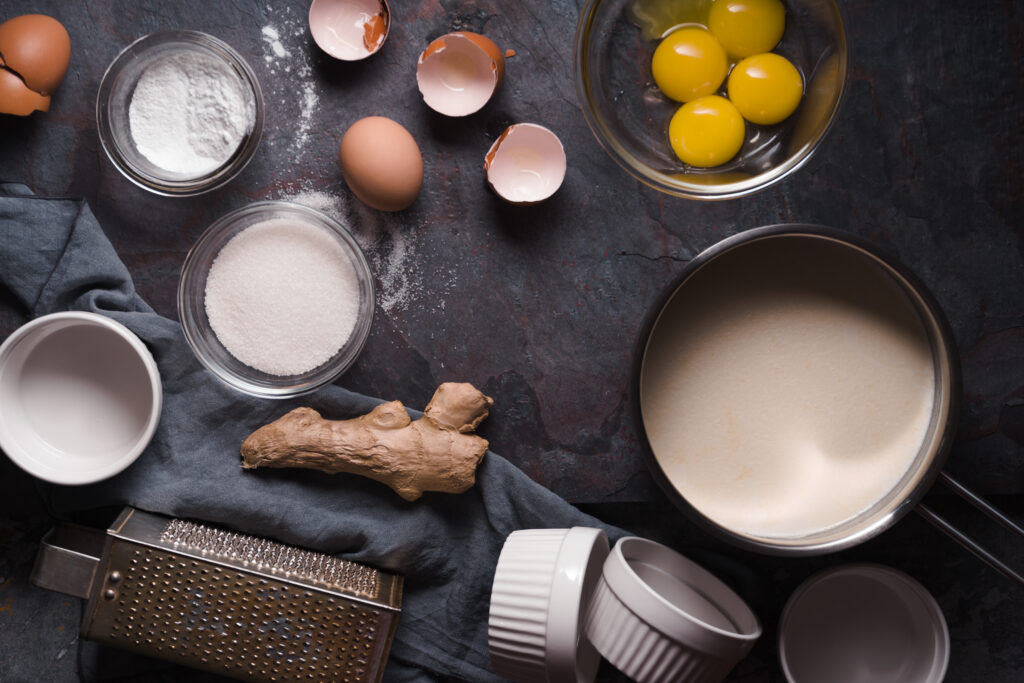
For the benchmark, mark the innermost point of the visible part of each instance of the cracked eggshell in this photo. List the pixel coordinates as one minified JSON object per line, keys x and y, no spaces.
{"x":526,"y":164}
{"x":350,"y":30}
{"x":381,"y":163}
{"x":459,"y":72}
{"x":17,"y":98}
{"x":38,"y":49}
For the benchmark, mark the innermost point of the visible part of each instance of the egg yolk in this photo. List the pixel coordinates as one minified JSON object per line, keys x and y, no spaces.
{"x":747,"y":27}
{"x":689,"y":63}
{"x":707,"y":132}
{"x":765,"y":88}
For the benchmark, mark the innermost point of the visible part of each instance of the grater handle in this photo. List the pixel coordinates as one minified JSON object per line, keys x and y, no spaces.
{"x":68,"y":558}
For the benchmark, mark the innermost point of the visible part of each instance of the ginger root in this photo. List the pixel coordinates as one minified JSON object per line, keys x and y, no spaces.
{"x":437,"y":452}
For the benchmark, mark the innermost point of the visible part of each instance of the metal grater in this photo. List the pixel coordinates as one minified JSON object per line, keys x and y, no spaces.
{"x":236,"y":605}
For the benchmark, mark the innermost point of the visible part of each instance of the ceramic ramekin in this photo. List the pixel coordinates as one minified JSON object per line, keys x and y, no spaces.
{"x":863,"y":622}
{"x":660,"y":618}
{"x":542,"y":587}
{"x":80,"y":397}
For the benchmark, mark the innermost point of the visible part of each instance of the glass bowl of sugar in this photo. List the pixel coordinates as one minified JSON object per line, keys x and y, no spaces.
{"x":179,"y":113}
{"x":276,"y":299}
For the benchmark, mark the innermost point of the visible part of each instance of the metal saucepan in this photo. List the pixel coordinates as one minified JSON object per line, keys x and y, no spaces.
{"x":669,"y":321}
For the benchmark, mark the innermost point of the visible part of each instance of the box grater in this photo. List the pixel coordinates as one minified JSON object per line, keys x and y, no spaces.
{"x":236,"y":605}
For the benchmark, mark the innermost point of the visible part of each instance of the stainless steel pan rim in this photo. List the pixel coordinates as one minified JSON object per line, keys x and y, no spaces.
{"x":928,"y":463}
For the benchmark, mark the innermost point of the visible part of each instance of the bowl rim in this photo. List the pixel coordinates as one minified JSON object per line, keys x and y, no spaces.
{"x":942,"y":440}
{"x":354,"y":344}
{"x":207,"y":182}
{"x":671,"y":620}
{"x":56,"y":475}
{"x":897,"y":581}
{"x":666,"y":183}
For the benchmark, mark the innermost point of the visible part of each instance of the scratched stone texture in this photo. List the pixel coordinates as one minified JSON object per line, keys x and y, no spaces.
{"x":541,"y":306}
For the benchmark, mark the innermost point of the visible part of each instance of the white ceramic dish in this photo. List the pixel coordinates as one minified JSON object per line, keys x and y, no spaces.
{"x":660,"y":618}
{"x":80,"y":397}
{"x":862,"y":623}
{"x":542,"y":587}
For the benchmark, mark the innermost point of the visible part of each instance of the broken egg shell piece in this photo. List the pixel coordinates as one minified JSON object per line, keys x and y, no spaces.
{"x":459,"y":72}
{"x":350,"y":30}
{"x":526,"y":164}
{"x":17,"y":98}
{"x":38,"y":49}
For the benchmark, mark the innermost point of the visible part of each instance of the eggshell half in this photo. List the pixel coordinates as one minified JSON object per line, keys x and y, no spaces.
{"x":17,"y":98}
{"x":381,"y":163}
{"x":37,"y":48}
{"x":526,"y":164}
{"x":459,"y":72}
{"x":350,"y":30}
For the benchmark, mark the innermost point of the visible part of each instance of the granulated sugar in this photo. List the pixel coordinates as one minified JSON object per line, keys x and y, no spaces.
{"x":393,"y":253}
{"x":282,"y":296}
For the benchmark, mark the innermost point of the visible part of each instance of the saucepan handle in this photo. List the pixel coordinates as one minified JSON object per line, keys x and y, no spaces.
{"x":966,"y":541}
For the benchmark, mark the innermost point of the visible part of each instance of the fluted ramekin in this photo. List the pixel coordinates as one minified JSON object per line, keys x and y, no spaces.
{"x":660,"y":618}
{"x":542,"y":587}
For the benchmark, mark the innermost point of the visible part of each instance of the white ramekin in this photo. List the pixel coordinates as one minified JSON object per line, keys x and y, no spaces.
{"x":660,"y":618}
{"x":80,"y":397}
{"x":542,"y":587}
{"x":860,"y":622}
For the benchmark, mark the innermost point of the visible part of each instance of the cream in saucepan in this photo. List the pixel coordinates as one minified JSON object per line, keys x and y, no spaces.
{"x":787,"y":386}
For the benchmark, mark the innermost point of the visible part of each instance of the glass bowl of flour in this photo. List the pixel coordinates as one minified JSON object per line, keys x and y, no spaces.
{"x":276,"y":299}
{"x":179,"y":113}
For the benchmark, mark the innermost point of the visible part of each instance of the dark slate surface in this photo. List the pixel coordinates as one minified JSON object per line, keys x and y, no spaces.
{"x":541,"y":306}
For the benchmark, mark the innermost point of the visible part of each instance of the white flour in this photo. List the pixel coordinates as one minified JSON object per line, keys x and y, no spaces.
{"x":273,"y":40}
{"x":291,"y":87}
{"x":189,"y":113}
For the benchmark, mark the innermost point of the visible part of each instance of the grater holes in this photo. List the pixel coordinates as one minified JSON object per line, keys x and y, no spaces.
{"x":229,"y":620}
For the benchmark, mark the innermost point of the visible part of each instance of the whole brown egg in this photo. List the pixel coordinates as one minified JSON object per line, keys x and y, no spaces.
{"x":381,"y":163}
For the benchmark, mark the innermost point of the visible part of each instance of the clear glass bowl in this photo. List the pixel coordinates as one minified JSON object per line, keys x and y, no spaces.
{"x":114,"y":97}
{"x":614,"y":44}
{"x":204,"y":342}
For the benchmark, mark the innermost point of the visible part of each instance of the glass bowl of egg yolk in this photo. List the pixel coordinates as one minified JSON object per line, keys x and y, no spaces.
{"x":710,"y":99}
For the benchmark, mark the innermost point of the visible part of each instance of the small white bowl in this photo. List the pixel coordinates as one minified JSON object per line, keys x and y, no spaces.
{"x":542,"y":587}
{"x":863,"y":622}
{"x":660,"y":618}
{"x":80,"y":397}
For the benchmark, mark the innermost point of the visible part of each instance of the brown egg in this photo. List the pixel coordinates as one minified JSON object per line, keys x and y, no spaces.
{"x":16,"y":98}
{"x":37,"y":48}
{"x":381,"y":163}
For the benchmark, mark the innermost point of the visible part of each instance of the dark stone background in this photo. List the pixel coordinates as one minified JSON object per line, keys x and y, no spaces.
{"x":541,"y":306}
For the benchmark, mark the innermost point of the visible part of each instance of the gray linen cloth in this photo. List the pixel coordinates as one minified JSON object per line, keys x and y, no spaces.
{"x":55,"y":257}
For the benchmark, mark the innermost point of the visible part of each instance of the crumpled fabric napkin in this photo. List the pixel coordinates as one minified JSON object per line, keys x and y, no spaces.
{"x":55,"y":257}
